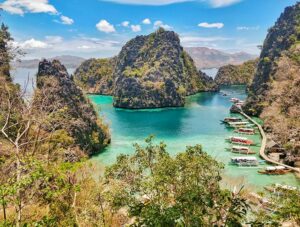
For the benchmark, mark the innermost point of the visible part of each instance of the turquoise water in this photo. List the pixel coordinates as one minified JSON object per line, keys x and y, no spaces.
{"x":196,"y":123}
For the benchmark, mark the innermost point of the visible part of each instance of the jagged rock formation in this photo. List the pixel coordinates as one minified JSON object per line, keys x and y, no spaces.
{"x":96,"y":76}
{"x":68,"y":109}
{"x":275,"y":91}
{"x":237,"y":74}
{"x":154,"y":71}
{"x":208,"y":82}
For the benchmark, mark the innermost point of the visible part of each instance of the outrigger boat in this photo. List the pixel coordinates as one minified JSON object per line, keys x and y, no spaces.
{"x":247,"y":131}
{"x":275,"y":170}
{"x":237,"y":123}
{"x":232,"y":119}
{"x":240,"y":125}
{"x":242,"y":150}
{"x":240,"y":140}
{"x":244,"y":161}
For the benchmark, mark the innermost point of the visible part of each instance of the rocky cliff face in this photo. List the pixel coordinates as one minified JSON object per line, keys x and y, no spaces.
{"x":275,"y":91}
{"x":68,"y":109}
{"x":154,"y":71}
{"x":237,"y":74}
{"x":96,"y":76}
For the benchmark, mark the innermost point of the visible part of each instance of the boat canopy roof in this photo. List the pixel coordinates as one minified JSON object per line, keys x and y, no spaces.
{"x":247,"y":129}
{"x":240,"y":147}
{"x":238,"y":138}
{"x":273,"y":168}
{"x":239,"y":123}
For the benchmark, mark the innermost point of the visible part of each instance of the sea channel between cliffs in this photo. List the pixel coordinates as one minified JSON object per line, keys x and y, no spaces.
{"x":196,"y":123}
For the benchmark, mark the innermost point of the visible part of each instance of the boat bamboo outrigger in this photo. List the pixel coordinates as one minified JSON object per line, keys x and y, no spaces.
{"x":232,"y":119}
{"x":242,"y":150}
{"x":240,"y":140}
{"x":244,"y":161}
{"x":275,"y":170}
{"x":247,"y":131}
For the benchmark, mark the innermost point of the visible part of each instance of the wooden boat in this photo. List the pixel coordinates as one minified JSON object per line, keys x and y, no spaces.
{"x":232,"y":119}
{"x":240,"y":140}
{"x":247,"y":131}
{"x":275,"y":170}
{"x":244,"y":161}
{"x":242,"y":150}
{"x":239,"y":123}
{"x":237,"y":126}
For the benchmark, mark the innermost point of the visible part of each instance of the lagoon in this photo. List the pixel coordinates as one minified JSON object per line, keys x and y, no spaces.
{"x":196,"y":123}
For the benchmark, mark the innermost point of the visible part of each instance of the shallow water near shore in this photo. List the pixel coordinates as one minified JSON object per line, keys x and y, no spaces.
{"x":196,"y":123}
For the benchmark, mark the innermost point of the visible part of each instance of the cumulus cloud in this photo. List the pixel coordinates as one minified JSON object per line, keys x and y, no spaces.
{"x":31,"y":44}
{"x":212,"y":25}
{"x":247,"y":28}
{"x":213,"y":3}
{"x":21,"y":7}
{"x":223,"y":3}
{"x":53,"y":39}
{"x":125,"y":23}
{"x":105,"y":26}
{"x":136,"y":28}
{"x":66,"y":20}
{"x":146,"y":21}
{"x":160,"y":24}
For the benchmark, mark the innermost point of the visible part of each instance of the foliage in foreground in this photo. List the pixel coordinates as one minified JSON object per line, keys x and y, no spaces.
{"x":161,"y":190}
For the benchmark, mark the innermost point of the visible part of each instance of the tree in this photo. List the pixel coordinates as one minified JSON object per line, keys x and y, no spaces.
{"x":161,"y":190}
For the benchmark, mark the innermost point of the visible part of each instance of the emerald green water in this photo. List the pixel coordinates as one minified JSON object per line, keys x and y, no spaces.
{"x":196,"y":123}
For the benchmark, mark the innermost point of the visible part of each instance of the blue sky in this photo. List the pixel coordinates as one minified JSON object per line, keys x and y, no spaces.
{"x":98,"y":28}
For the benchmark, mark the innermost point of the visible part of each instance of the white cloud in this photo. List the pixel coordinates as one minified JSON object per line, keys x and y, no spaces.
{"x":53,"y":39}
{"x":105,"y":26}
{"x":125,"y":23}
{"x":28,"y":6}
{"x":223,"y":3}
{"x":158,"y":24}
{"x":212,"y":25}
{"x":31,"y":44}
{"x":136,"y":28}
{"x":146,"y":21}
{"x":248,"y":28}
{"x":213,"y":3}
{"x":84,"y":47}
{"x":66,"y":20}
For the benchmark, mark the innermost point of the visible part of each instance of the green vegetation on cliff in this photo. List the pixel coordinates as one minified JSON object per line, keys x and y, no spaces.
{"x":68,"y":109}
{"x":275,"y":91}
{"x":96,"y":76}
{"x":237,"y":74}
{"x":154,"y":71}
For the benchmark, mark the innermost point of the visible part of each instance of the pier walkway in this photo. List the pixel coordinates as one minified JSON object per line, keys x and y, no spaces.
{"x":263,"y":146}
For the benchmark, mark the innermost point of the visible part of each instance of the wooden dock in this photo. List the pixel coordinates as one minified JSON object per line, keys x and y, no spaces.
{"x":263,"y":146}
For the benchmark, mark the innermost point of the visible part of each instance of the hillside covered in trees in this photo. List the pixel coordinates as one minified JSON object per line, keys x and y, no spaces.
{"x":150,"y":71}
{"x":236,"y":74}
{"x":275,"y":91}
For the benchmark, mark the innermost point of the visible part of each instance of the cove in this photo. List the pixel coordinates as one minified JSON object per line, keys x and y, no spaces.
{"x":196,"y":123}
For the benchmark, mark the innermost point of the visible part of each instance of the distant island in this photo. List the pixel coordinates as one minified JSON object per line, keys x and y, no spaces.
{"x":151,"y":71}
